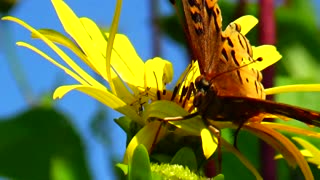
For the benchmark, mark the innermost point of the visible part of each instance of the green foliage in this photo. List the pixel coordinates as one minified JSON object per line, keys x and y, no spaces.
{"x":219,"y":177}
{"x":123,"y":168}
{"x":139,"y":166}
{"x":7,"y":5}
{"x":41,"y":144}
{"x":185,"y":157}
{"x":128,"y":126}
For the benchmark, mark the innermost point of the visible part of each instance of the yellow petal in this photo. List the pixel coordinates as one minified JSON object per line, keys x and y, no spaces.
{"x":102,"y":95}
{"x":208,"y":145}
{"x":98,"y":42}
{"x":312,"y":152}
{"x":158,"y":73}
{"x":61,"y":39}
{"x":293,"y":88}
{"x":192,"y":72}
{"x":55,"y":48}
{"x":74,"y":27}
{"x":165,"y":109}
{"x":145,"y":136}
{"x":292,"y":129}
{"x":246,"y":22}
{"x":126,"y":62}
{"x":281,"y":143}
{"x":65,"y":69}
{"x":269,"y":55}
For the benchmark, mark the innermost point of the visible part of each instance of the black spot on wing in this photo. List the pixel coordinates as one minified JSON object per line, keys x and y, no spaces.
{"x":175,"y":91}
{"x":239,"y":76}
{"x":256,"y":85}
{"x":216,"y":17}
{"x":194,"y":3}
{"x":224,"y":54}
{"x":233,"y":54}
{"x":230,"y":43}
{"x":239,"y":38}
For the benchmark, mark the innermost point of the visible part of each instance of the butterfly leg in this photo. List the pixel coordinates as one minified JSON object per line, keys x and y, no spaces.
{"x":156,"y":137}
{"x":164,"y":122}
{"x":236,"y":133}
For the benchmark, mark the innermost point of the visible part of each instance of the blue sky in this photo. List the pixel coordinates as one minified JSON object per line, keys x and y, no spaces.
{"x":42,"y":76}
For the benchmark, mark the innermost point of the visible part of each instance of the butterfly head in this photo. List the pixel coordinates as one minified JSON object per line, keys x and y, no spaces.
{"x":206,"y":92}
{"x":202,"y":84}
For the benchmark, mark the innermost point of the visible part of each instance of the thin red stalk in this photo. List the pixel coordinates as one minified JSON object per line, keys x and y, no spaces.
{"x":267,"y":35}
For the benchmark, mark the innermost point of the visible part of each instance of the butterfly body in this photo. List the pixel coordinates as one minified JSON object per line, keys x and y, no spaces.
{"x":239,"y":110}
{"x":228,"y":89}
{"x":220,"y":53}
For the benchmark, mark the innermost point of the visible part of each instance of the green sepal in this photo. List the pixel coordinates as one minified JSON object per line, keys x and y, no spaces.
{"x":185,"y":157}
{"x":139,"y":166}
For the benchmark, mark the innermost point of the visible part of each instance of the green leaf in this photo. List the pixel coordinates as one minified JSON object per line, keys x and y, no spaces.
{"x":124,"y":122}
{"x":130,"y":127}
{"x":162,"y":158}
{"x":139,"y":167}
{"x":185,"y":157}
{"x":41,"y":144}
{"x":219,"y":177}
{"x":123,"y":167}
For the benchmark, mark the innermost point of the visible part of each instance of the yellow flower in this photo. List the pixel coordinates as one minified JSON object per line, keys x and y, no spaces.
{"x":132,"y":82}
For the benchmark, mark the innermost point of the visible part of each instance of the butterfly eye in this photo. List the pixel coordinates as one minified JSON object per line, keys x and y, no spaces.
{"x":202,"y":84}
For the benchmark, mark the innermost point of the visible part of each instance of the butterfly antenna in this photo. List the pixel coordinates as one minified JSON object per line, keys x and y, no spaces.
{"x":254,"y":61}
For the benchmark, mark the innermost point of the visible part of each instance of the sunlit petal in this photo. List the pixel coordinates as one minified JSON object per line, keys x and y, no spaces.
{"x":278,"y":141}
{"x":145,"y":136}
{"x":64,"y":56}
{"x":269,"y":55}
{"x":74,"y":27}
{"x":292,"y":129}
{"x":313,"y":152}
{"x":208,"y":145}
{"x":65,"y":69}
{"x":247,"y":22}
{"x":102,"y":95}
{"x":293,"y":88}
{"x":158,"y":73}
